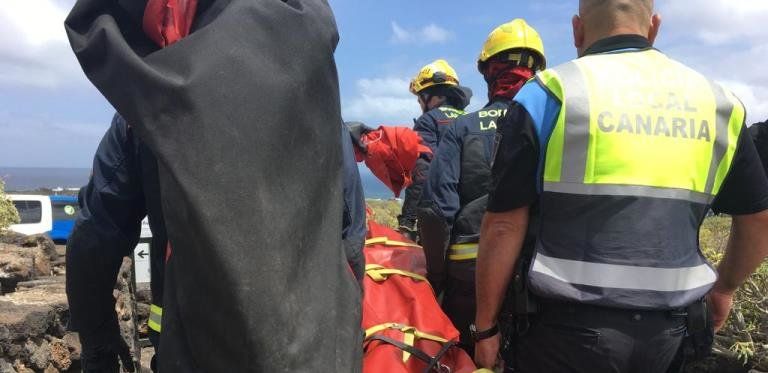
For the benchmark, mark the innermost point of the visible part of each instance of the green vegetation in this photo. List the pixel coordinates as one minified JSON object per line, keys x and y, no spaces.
{"x":385,"y":211}
{"x":8,"y":213}
{"x":743,"y":340}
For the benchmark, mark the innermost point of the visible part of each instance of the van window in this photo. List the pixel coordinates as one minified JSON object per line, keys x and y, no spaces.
{"x":64,"y":211}
{"x":30,"y":212}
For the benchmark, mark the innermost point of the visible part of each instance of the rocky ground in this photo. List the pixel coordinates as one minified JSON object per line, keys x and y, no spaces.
{"x":34,"y":312}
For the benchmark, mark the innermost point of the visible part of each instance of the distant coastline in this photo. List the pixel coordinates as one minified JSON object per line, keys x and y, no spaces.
{"x":44,"y":179}
{"x":20,"y":179}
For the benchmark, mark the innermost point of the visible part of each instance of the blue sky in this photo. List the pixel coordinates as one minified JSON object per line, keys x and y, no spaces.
{"x":50,"y":115}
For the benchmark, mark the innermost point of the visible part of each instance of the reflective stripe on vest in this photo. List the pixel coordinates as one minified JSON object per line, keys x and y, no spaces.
{"x":624,"y":276}
{"x":463,"y":251}
{"x":450,"y":112}
{"x":155,"y":321}
{"x":632,"y":127}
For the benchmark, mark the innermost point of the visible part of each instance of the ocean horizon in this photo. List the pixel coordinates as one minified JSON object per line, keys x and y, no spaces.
{"x":23,"y":179}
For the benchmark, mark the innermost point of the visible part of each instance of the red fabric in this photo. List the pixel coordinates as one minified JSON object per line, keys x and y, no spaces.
{"x":406,"y":301}
{"x":167,"y":21}
{"x":505,"y":81}
{"x":391,"y":155}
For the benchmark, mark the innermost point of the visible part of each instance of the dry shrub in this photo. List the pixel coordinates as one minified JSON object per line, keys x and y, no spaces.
{"x":8,"y":213}
{"x":385,"y":211}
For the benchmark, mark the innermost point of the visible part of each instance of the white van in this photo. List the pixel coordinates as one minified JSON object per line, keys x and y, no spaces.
{"x":35,"y":213}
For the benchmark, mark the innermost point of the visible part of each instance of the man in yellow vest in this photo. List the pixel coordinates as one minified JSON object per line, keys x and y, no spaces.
{"x":615,"y":158}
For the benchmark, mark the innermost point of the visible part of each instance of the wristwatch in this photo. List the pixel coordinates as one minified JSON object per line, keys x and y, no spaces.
{"x":483,"y":334}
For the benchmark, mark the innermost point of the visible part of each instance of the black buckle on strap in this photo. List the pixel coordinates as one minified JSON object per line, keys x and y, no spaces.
{"x":433,"y":363}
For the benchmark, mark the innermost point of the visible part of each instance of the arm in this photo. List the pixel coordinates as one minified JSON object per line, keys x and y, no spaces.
{"x":747,"y":247}
{"x":744,"y":195}
{"x":354,"y":227}
{"x":106,"y":230}
{"x":501,"y":240}
{"x":746,"y":250}
{"x":426,"y":127}
{"x":505,"y":224}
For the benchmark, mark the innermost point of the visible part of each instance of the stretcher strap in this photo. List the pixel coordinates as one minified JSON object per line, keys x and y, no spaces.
{"x":378,"y":273}
{"x":463,"y":251}
{"x":387,"y":242}
{"x":410,"y":334}
{"x":155,"y":321}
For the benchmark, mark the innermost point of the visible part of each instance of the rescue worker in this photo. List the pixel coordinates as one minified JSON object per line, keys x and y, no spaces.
{"x":616,"y":157}
{"x":122,"y":190}
{"x":460,"y":173}
{"x":442,"y":100}
{"x":354,"y":226}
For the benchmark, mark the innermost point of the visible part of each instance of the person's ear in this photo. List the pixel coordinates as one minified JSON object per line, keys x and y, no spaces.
{"x":578,"y":32}
{"x":422,"y":104}
{"x":655,"y":26}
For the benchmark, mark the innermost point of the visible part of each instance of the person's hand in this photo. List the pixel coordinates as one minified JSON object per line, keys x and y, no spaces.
{"x":720,"y":303}
{"x":103,"y":348}
{"x":409,"y":232}
{"x":487,"y":352}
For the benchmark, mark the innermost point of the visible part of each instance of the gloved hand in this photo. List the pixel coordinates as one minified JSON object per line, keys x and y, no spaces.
{"x":357,"y":130}
{"x":409,"y":231}
{"x":102,"y":349}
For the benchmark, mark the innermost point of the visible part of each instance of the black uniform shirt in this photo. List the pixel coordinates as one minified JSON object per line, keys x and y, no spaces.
{"x":759,"y":132}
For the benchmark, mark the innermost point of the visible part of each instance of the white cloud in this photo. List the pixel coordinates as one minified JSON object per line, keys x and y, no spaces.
{"x":399,"y":34}
{"x":717,"y":21}
{"x":34,"y":50}
{"x":430,"y":33}
{"x":382,"y":101}
{"x":754,"y":98}
{"x":724,"y":39}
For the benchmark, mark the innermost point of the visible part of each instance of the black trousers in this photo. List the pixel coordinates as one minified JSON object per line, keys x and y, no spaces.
{"x":459,"y":300}
{"x":567,"y":337}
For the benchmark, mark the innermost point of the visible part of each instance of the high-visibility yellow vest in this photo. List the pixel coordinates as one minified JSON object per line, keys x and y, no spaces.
{"x":641,"y":147}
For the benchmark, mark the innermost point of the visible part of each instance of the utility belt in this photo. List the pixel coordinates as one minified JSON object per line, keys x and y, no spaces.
{"x":545,"y":306}
{"x":465,"y":231}
{"x":699,"y":336}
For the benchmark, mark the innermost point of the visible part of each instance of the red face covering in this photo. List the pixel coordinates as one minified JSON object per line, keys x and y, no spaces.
{"x":167,"y":21}
{"x":504,"y":80}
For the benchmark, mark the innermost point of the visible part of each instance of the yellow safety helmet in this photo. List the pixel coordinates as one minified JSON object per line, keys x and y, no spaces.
{"x":516,"y":34}
{"x":437,"y":72}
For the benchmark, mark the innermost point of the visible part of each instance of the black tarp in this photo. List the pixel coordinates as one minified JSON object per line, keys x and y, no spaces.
{"x":243,"y":116}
